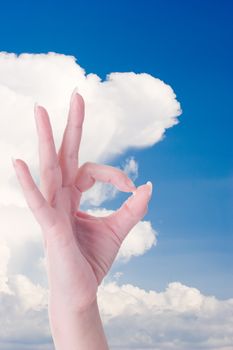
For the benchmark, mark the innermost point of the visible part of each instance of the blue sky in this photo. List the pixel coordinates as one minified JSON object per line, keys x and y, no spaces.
{"x":189,"y":46}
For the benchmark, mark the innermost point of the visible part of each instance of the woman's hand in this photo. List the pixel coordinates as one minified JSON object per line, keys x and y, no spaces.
{"x":79,"y":248}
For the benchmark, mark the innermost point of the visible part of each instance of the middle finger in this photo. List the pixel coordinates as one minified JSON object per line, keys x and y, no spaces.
{"x":50,"y":172}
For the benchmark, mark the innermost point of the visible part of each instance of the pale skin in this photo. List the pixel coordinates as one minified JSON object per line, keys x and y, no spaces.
{"x":79,"y":248}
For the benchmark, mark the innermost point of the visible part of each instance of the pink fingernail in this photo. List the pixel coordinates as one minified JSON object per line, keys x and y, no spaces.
{"x":149,"y":183}
{"x":76,"y":90}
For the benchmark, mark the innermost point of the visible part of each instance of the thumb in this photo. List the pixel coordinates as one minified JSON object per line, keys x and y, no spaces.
{"x":131,"y":211}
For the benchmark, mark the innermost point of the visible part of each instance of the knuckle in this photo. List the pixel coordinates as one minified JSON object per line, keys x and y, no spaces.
{"x":70,"y":155}
{"x":49,"y":168}
{"x":37,"y":208}
{"x":85,"y":166}
{"x":130,"y":211}
{"x":88,"y":164}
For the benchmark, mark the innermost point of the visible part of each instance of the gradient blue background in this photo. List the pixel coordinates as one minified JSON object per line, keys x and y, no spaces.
{"x":188,"y":45}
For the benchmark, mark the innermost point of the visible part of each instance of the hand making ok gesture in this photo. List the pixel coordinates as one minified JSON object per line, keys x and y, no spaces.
{"x":79,"y":248}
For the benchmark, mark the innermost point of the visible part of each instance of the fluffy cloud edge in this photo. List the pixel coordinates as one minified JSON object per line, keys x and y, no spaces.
{"x":179,"y":317}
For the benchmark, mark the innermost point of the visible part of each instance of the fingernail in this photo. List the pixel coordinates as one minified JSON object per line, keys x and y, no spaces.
{"x":76,"y":90}
{"x":149,"y":183}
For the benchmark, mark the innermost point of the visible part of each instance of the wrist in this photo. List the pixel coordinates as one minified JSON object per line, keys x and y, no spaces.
{"x":58,"y":305}
{"x":77,"y":329}
{"x":58,"y":309}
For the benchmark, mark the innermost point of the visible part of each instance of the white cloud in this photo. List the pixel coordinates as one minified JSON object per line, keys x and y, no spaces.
{"x":126,"y":110}
{"x":22,"y":240}
{"x":140,"y":239}
{"x":24,"y":316}
{"x":4,"y":260}
{"x":179,"y":318}
{"x":131,"y":167}
{"x":100,"y":193}
{"x":32,"y":296}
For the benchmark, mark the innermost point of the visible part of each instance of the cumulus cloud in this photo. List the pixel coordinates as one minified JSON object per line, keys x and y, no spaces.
{"x":131,"y":110}
{"x":24,"y":316}
{"x":22,"y":241}
{"x":179,"y":318}
{"x":127,"y":110}
{"x":131,"y":167}
{"x":4,"y":260}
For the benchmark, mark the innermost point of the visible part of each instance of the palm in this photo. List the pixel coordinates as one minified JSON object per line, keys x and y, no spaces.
{"x":98,"y":244}
{"x":80,"y":248}
{"x":88,"y":247}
